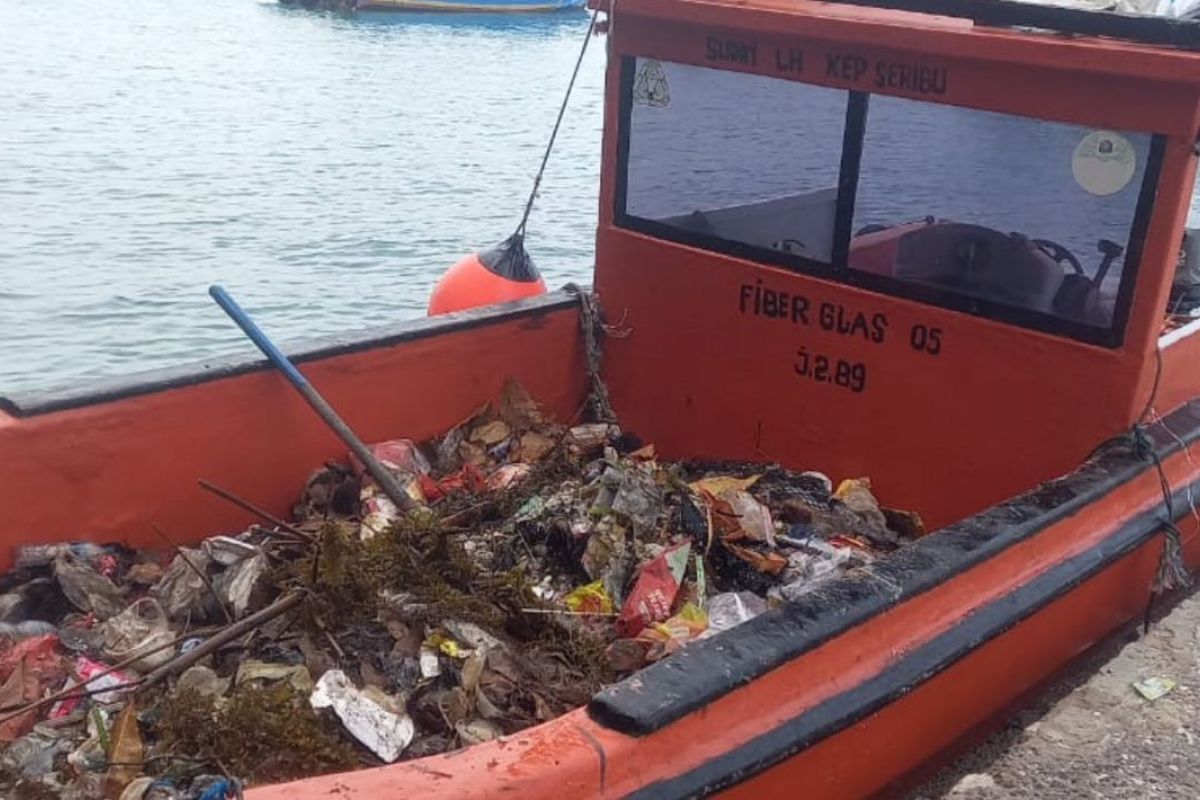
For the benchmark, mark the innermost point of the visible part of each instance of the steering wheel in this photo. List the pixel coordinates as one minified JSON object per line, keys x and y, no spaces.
{"x":1060,"y":254}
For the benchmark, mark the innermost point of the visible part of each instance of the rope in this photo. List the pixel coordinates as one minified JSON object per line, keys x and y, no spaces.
{"x":592,"y":327}
{"x":537,"y":181}
{"x":1172,"y":570}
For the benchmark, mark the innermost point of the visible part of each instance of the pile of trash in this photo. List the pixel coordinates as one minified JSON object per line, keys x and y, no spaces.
{"x":540,"y":563}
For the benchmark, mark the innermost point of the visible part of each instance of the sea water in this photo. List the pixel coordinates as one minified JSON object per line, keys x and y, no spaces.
{"x":325,"y":169}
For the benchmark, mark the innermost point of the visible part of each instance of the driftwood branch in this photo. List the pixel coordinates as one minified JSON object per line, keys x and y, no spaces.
{"x":223,"y":637}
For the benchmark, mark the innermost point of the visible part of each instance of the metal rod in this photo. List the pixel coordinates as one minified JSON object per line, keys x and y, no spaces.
{"x":262,"y":513}
{"x":391,"y":487}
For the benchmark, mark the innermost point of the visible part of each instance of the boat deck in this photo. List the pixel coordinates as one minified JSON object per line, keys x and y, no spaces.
{"x":1091,"y":735}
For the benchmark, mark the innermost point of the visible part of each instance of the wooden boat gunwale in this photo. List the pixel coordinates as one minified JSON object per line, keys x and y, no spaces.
{"x":27,"y":404}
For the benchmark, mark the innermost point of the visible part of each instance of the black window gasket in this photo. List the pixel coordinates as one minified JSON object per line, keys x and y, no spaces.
{"x":838,"y":270}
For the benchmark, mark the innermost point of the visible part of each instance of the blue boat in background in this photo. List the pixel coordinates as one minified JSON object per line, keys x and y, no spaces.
{"x":521,"y":6}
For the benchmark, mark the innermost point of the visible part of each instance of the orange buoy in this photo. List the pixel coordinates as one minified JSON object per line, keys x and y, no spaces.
{"x":504,"y":272}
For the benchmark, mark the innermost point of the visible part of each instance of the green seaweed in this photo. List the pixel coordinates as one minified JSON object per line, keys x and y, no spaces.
{"x":259,"y":733}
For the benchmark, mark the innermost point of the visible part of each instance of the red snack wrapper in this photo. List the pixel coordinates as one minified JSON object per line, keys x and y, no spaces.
{"x":654,"y":594}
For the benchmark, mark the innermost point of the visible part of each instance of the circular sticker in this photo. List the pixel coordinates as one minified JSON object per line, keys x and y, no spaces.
{"x":1103,"y":163}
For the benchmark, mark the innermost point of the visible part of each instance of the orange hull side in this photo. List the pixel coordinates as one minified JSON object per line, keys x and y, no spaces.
{"x":107,"y":471}
{"x":576,"y":755}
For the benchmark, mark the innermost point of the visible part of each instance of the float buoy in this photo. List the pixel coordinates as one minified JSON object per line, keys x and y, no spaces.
{"x":497,"y":275}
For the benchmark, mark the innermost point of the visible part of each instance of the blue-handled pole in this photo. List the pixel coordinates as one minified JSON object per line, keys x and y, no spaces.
{"x":386,"y":480}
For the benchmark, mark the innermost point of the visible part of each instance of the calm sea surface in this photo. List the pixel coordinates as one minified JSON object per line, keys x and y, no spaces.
{"x":326,"y":170}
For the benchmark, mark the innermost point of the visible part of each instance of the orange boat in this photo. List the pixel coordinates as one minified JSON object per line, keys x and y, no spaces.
{"x":874,"y":241}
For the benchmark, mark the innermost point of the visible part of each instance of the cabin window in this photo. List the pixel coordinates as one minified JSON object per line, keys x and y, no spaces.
{"x":744,"y":159}
{"x":1027,"y":221}
{"x":1014,"y":212}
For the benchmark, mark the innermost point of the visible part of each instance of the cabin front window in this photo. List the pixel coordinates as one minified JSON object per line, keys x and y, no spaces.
{"x":1028,"y":221}
{"x":744,"y":159}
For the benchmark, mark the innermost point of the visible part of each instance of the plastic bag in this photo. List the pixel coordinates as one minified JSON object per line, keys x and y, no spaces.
{"x":161,"y":790}
{"x":181,"y":590}
{"x":469,"y":478}
{"x":237,"y":582}
{"x":226,"y":550}
{"x":815,"y":560}
{"x":141,"y":628}
{"x":402,"y":458}
{"x":26,"y":629}
{"x":39,"y":555}
{"x":506,"y":476}
{"x":104,"y":688}
{"x":584,"y":440}
{"x":730,"y":609}
{"x":638,"y":498}
{"x":398,"y":455}
{"x":753,"y":516}
{"x":204,"y":682}
{"x":27,"y":669}
{"x":213,"y":787}
{"x":30,"y":756}
{"x":87,"y":589}
{"x":136,"y":790}
{"x":477,"y":731}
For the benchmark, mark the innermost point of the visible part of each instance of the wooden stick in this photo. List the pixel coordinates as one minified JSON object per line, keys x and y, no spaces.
{"x":316,"y":564}
{"x":224,"y":636}
{"x":569,"y":613}
{"x":199,"y":572}
{"x":460,"y":516}
{"x":261,"y":513}
{"x":279,"y":538}
{"x":337,"y":648}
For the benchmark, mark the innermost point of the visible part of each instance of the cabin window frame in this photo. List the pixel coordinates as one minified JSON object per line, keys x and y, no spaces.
{"x":839,"y":269}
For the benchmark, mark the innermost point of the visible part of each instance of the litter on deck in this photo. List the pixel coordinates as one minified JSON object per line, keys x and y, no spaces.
{"x":540,"y":563}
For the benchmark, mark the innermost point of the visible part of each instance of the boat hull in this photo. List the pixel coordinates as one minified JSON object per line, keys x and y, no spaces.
{"x":846,"y":692}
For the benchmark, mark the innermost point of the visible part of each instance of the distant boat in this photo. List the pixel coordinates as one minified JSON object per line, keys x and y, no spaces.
{"x":437,"y":5}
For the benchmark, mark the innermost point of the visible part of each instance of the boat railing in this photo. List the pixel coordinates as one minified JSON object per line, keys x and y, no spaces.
{"x":1176,"y":32}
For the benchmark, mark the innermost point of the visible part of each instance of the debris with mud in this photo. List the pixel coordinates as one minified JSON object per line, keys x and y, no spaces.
{"x":540,"y":563}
